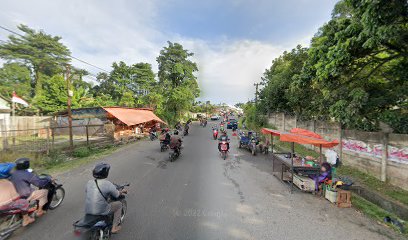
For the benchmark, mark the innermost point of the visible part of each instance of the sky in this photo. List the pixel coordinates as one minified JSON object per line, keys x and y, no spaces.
{"x":234,"y":41}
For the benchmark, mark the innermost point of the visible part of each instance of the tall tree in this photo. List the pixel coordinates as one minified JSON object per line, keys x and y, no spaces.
{"x":177,"y":80}
{"x":43,"y":53}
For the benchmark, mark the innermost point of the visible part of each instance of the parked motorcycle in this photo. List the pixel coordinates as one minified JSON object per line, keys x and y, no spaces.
{"x":185,"y":133}
{"x":224,"y":149}
{"x":252,"y":146}
{"x":11,"y":218}
{"x":99,"y":227}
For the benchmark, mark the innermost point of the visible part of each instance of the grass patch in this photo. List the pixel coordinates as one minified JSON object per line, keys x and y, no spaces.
{"x":373,"y":183}
{"x":72,"y":162}
{"x":81,"y":152}
{"x":375,"y":212}
{"x":58,"y":161}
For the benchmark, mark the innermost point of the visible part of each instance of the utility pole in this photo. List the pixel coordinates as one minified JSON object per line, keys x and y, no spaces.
{"x":69,"y":94}
{"x":256,"y":93}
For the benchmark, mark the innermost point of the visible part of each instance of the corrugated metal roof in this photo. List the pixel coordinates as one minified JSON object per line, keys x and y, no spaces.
{"x":132,"y":116}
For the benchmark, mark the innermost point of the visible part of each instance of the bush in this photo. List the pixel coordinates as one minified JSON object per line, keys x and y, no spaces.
{"x":81,"y":152}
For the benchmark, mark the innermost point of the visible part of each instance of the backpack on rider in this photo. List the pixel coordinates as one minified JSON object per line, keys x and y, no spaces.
{"x":5,"y":169}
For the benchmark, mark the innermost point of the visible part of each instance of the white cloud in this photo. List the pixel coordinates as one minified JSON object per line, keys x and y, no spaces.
{"x":229,"y":69}
{"x":105,"y":31}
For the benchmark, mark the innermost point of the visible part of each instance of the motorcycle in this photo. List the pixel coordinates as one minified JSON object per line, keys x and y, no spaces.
{"x":185,"y":133}
{"x":224,"y":149}
{"x":163,"y":146}
{"x":175,"y":154}
{"x":98,"y":227}
{"x":11,"y":218}
{"x":153,"y":136}
{"x":215,"y":134}
{"x":252,"y":146}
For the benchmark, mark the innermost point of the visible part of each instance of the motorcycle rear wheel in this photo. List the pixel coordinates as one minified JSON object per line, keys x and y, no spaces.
{"x":101,"y":234}
{"x":57,"y":198}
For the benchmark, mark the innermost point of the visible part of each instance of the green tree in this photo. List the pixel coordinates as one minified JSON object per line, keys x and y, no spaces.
{"x":42,"y":53}
{"x":126,"y":81}
{"x":358,"y":62}
{"x":177,"y":80}
{"x":15,"y":77}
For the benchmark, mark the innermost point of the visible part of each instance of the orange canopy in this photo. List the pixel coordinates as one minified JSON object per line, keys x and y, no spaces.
{"x":291,"y":137}
{"x":305,"y":132}
{"x":133,"y":116}
{"x":270,"y":131}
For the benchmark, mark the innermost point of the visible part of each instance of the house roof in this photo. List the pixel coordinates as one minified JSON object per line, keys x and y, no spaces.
{"x":133,"y":116}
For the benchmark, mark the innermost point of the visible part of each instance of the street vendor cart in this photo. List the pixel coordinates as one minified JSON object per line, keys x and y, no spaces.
{"x":292,"y":168}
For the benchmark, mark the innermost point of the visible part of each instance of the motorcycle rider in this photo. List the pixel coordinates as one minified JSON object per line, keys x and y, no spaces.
{"x":186,"y":127}
{"x":98,"y":191}
{"x":178,"y":126}
{"x":22,"y":180}
{"x":165,"y":136}
{"x":223,"y":137}
{"x":175,"y":142}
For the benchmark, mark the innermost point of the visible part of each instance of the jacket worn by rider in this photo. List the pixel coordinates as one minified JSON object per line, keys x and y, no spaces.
{"x":175,"y":141}
{"x":96,"y":201}
{"x":223,"y":138}
{"x":22,"y":181}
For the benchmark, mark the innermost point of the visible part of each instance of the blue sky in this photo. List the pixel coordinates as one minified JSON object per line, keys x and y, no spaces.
{"x":233,"y":40}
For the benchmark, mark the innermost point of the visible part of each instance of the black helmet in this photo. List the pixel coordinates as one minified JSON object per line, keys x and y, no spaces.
{"x":101,"y":170}
{"x":175,"y":132}
{"x":22,"y":163}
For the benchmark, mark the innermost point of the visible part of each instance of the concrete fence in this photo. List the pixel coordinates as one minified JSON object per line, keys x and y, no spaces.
{"x":383,"y":155}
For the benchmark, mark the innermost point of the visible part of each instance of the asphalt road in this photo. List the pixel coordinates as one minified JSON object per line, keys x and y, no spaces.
{"x":201,"y":196}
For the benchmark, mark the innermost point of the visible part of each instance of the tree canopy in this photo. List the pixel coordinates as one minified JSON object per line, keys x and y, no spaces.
{"x":35,"y":67}
{"x":355,"y":70}
{"x":177,"y":81}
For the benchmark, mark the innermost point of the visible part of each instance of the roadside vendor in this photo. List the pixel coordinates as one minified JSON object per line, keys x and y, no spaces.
{"x":325,"y":174}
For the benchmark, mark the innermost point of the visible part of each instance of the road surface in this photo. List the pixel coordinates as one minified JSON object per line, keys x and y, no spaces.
{"x":201,"y":196}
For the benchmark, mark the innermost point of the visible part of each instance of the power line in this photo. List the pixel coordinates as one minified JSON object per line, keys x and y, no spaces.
{"x":80,"y":60}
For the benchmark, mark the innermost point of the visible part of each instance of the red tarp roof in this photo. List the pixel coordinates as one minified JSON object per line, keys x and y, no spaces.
{"x":291,"y":137}
{"x":270,"y":131}
{"x":301,"y":136}
{"x":133,"y":116}
{"x":305,"y":132}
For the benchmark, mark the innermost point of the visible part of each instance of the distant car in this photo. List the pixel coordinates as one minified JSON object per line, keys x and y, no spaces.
{"x":231,"y":123}
{"x":215,"y":117}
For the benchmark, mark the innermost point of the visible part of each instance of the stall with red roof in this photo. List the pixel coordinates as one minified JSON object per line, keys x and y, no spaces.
{"x":287,"y":164}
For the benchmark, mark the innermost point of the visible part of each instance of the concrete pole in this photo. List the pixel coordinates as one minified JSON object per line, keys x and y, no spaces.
{"x":384,"y":158}
{"x":283,"y":122}
{"x":340,"y":142}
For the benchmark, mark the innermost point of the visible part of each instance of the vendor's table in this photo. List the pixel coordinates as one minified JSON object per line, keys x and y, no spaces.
{"x":282,"y":164}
